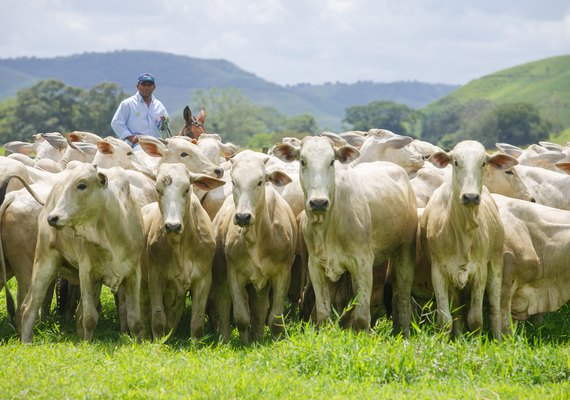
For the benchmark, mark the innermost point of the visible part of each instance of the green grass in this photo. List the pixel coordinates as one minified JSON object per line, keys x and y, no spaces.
{"x":330,"y":363}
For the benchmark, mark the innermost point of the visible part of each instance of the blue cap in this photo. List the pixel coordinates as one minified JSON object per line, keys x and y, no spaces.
{"x":146,"y":78}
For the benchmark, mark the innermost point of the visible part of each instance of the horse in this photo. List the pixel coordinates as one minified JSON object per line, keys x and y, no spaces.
{"x":194,"y":126}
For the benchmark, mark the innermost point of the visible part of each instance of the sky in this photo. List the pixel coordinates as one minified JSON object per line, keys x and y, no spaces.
{"x":302,"y":41}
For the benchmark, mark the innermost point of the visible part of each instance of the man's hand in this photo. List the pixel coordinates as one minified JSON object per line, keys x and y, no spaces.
{"x":133,"y":139}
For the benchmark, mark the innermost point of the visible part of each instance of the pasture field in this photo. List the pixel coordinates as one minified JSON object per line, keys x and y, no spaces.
{"x":305,"y":364}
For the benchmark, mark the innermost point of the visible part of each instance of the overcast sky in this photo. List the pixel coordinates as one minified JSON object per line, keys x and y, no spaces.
{"x":295,"y":41}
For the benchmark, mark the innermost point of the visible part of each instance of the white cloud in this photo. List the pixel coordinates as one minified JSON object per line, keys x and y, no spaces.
{"x":303,"y":40}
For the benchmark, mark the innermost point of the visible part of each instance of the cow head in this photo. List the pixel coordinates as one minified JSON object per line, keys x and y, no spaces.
{"x":173,"y":184}
{"x":180,"y":150}
{"x":249,"y":176}
{"x":468,"y":160}
{"x":394,"y":149}
{"x":317,"y":156}
{"x":78,"y":197}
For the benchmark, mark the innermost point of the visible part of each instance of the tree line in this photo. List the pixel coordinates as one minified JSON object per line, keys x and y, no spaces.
{"x":52,"y":106}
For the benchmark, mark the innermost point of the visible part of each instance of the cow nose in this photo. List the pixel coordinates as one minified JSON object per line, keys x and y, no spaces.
{"x":532,"y":200}
{"x":219,"y":172}
{"x":173,"y":227}
{"x":242,"y":219}
{"x":319,"y":204}
{"x":52,"y":220}
{"x":471,"y":198}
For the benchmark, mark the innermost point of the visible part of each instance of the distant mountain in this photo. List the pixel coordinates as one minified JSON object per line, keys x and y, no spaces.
{"x":178,"y":76}
{"x":544,"y":83}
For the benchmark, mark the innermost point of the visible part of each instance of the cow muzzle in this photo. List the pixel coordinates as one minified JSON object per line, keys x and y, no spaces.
{"x":55,"y":221}
{"x":173,"y":227}
{"x":471,"y":199}
{"x":243,"y":219}
{"x":319,"y":205}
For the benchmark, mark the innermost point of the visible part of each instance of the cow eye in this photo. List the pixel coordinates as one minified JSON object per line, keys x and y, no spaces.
{"x":484,"y":164}
{"x":187,"y":190}
{"x":184,"y":154}
{"x":455,"y":163}
{"x":130,"y":153}
{"x":81,"y":186}
{"x":509,"y":172}
{"x":302,"y":163}
{"x":332,"y":162}
{"x":259,"y":183}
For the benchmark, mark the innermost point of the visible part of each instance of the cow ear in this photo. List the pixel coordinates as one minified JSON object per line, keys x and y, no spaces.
{"x":205,"y":182}
{"x":502,"y":161}
{"x":278,"y":178}
{"x":509,"y":149}
{"x":153,"y":148}
{"x":440,"y":159}
{"x":564,"y":166}
{"x":102,"y":179}
{"x":346,"y":154}
{"x":105,"y":147}
{"x":398,"y":141}
{"x":286,"y":152}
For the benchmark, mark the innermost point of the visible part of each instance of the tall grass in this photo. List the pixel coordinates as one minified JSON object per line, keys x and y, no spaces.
{"x":305,"y":363}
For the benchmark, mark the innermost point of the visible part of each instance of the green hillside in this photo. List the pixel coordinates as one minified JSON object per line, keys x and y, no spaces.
{"x":179,"y":76}
{"x":544,"y":83}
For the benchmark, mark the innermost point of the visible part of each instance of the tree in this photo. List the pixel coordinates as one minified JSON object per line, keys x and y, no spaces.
{"x":51,"y":106}
{"x":237,"y":119}
{"x":48,"y":106}
{"x":230,"y":114}
{"x":395,"y":117}
{"x":519,"y":124}
{"x":97,"y":107}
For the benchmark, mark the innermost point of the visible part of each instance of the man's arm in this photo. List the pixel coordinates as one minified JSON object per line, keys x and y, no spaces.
{"x":119,"y":122}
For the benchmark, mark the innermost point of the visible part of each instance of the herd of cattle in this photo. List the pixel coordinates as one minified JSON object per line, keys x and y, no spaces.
{"x":336,"y":220}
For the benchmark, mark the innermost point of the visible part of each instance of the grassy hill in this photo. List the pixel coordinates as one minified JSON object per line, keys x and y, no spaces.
{"x":179,"y":76}
{"x":544,"y":83}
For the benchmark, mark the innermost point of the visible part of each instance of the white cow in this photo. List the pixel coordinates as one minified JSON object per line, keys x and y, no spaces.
{"x":180,"y":150}
{"x":394,"y":149}
{"x":462,"y":236}
{"x":180,"y":248}
{"x":536,"y":277}
{"x":90,"y":230}
{"x":256,"y":234}
{"x":533,"y":156}
{"x":356,"y":219}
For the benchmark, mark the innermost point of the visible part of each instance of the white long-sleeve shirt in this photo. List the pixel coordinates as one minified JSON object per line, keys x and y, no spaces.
{"x":134,"y":117}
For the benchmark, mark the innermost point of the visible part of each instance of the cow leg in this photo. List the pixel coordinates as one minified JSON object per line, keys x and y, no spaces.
{"x":362,"y":288}
{"x":322,"y":290}
{"x":275,"y":320}
{"x":457,"y":312}
{"x":508,"y":289}
{"x":121,"y":305}
{"x":220,"y":298}
{"x":259,"y":309}
{"x":200,"y":289}
{"x":133,"y":302}
{"x":403,"y":264}
{"x":158,"y":316}
{"x":90,"y":288}
{"x":494,"y":282}
{"x":240,"y":302}
{"x":440,"y":289}
{"x":44,"y":272}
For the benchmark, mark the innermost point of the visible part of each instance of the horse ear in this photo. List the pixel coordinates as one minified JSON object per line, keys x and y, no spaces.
{"x":187,"y":113}
{"x":202,"y":115}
